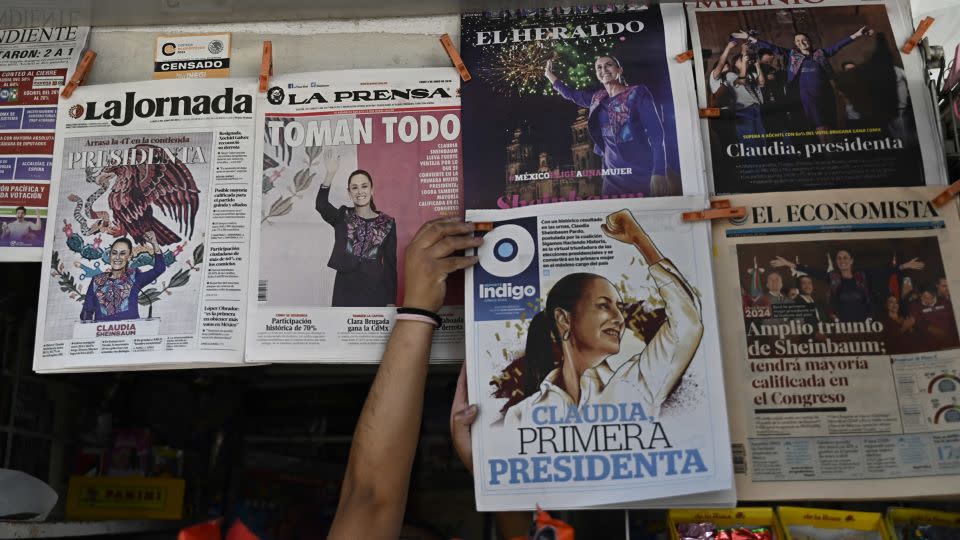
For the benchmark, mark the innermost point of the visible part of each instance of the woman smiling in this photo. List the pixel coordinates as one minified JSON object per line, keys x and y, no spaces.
{"x":365,"y":245}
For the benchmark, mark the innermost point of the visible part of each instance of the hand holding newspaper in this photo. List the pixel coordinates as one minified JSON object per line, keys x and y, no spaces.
{"x":587,"y":330}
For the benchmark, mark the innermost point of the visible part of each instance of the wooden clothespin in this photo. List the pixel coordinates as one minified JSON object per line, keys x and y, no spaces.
{"x":266,"y":66}
{"x":79,"y":74}
{"x":719,"y":208}
{"x":455,"y":57}
{"x":918,"y":35}
{"x":710,"y":112}
{"x":947,"y":194}
{"x":683,"y":57}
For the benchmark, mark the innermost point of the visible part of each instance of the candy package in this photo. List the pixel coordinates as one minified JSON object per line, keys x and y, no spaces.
{"x":708,"y":531}
{"x":809,"y":532}
{"x":927,"y":532}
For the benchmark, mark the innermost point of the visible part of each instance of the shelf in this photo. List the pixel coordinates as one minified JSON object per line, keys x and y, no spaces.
{"x":67,"y":529}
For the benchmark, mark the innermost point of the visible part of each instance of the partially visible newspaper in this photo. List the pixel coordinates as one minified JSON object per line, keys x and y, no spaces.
{"x":146,"y":265}
{"x":813,"y":95}
{"x":578,"y":103}
{"x":34,"y":64}
{"x":842,"y":358}
{"x":351,"y":164}
{"x":591,"y":352}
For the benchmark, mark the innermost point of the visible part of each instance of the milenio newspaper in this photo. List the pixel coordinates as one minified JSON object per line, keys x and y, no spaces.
{"x":578,"y":103}
{"x":813,"y":94}
{"x":145,"y":261}
{"x":846,"y":375}
{"x":350,"y":164}
{"x":592,"y":352}
{"x":34,"y":64}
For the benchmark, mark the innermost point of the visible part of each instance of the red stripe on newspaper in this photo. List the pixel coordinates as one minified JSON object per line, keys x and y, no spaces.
{"x":369,"y":111}
{"x":24,"y":194}
{"x":24,"y":144}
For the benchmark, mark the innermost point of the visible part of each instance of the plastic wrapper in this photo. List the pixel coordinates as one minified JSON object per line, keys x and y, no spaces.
{"x":806,"y":532}
{"x":927,"y":532}
{"x":708,"y":531}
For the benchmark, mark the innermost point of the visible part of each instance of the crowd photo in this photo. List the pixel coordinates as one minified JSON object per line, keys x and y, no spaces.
{"x":786,"y":81}
{"x":899,"y":283}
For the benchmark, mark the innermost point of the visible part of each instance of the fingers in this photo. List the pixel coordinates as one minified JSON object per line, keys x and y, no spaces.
{"x":433,"y":231}
{"x":450,"y":244}
{"x":452,"y":264}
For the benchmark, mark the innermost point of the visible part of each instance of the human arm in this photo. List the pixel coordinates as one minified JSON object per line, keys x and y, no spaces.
{"x":913,"y":264}
{"x":671,"y":349}
{"x":780,"y":262}
{"x":645,"y":109}
{"x":744,"y":49}
{"x":767,"y":45}
{"x":89,"y":303}
{"x":668,"y":353}
{"x":390,"y":263}
{"x":36,"y":222}
{"x":835,"y":48}
{"x":580,"y":97}
{"x":4,"y":231}
{"x":327,"y":211}
{"x":724,"y":57}
{"x":374,"y":491}
{"x":159,"y":264}
{"x":462,"y":417}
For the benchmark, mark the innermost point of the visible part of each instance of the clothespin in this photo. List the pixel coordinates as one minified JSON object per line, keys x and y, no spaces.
{"x":266,"y":66}
{"x":710,"y":112}
{"x":719,"y":208}
{"x":947,"y":194}
{"x":918,"y":35}
{"x":683,"y":57}
{"x":455,"y":57}
{"x":79,"y":74}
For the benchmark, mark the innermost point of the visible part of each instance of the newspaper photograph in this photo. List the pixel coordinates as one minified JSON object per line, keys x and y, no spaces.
{"x":813,"y":95}
{"x":847,"y":374}
{"x":577,"y":103}
{"x":35,"y":63}
{"x":352,"y":163}
{"x":147,"y":263}
{"x":591,"y":339}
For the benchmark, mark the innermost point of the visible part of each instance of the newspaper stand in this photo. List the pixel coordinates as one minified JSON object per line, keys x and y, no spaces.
{"x":321,"y":397}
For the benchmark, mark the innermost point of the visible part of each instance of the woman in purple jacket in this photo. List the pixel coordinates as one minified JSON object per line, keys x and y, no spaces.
{"x":810,"y":70}
{"x":626,"y":130}
{"x":114,"y":295}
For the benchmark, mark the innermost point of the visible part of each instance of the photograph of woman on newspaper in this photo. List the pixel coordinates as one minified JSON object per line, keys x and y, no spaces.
{"x":365,"y":246}
{"x":114,"y":295}
{"x":809,"y":69}
{"x":625,"y":127}
{"x":582,"y":326}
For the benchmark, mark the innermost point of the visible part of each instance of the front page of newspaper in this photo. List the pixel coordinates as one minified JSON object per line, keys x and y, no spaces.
{"x":843,"y":360}
{"x":147,"y":263}
{"x":591,"y":351}
{"x":578,"y":103}
{"x":34,"y":64}
{"x":352,"y":163}
{"x":815,"y":94}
